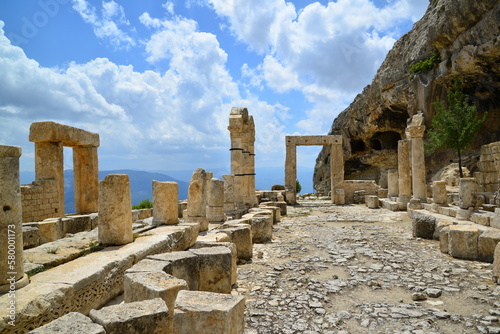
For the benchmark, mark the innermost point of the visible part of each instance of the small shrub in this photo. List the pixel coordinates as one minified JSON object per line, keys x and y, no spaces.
{"x":52,"y":250}
{"x":298,"y":187}
{"x":145,"y":204}
{"x":425,"y":65}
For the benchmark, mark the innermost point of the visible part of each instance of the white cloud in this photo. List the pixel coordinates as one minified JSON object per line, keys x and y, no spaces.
{"x":330,"y":52}
{"x":106,"y":26}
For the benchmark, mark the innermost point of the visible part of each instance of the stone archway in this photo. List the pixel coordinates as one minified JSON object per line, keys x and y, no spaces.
{"x":336,"y":161}
{"x":49,"y":139}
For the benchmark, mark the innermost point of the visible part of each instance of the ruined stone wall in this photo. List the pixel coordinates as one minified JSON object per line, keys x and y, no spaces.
{"x":40,"y":200}
{"x":488,"y":176}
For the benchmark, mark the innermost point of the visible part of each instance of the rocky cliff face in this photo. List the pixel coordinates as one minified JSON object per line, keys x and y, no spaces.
{"x":466,"y":36}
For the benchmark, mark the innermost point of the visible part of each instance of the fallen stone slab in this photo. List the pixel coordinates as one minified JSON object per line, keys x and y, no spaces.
{"x":241,"y":236}
{"x":147,"y":316}
{"x":71,"y":323}
{"x":209,"y":313}
{"x":423,"y":226}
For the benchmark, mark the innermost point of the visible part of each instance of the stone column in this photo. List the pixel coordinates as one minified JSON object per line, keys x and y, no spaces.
{"x":49,"y":165}
{"x":252,"y":199}
{"x":229,"y":205}
{"x":439,"y":195}
{"x":404,"y":171}
{"x":215,"y":208}
{"x":290,"y":171}
{"x":393,"y":182}
{"x":336,"y":166}
{"x":236,"y":123}
{"x":86,"y":179}
{"x":12,"y":274}
{"x":115,"y":210}
{"x":165,"y":203}
{"x":197,"y":204}
{"x":416,"y":132}
{"x":467,"y":192}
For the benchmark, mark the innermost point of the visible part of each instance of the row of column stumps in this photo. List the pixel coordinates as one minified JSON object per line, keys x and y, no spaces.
{"x":336,"y":162}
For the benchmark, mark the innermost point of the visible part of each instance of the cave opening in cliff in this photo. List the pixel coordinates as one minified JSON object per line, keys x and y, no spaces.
{"x":387,"y":140}
{"x":357,"y":146}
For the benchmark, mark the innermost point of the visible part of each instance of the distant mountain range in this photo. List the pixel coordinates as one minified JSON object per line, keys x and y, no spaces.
{"x":141,"y":181}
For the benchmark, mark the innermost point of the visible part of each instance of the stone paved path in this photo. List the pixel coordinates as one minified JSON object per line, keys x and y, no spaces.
{"x":349,"y":269}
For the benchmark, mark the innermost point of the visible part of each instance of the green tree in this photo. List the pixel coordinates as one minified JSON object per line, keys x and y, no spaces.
{"x":145,"y":204}
{"x":298,"y":187}
{"x":455,"y":123}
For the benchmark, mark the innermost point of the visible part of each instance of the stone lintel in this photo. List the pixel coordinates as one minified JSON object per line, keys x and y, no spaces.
{"x":67,"y":135}
{"x":313,"y":140}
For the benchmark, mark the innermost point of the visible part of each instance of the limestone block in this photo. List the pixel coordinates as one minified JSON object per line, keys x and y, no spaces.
{"x":189,"y":235}
{"x":71,"y":323}
{"x":482,"y":218}
{"x":393,"y":182}
{"x":94,"y":220}
{"x":75,"y":224}
{"x":372,"y":201}
{"x":463,"y":214}
{"x":209,"y":313}
{"x":68,"y":135}
{"x":202,"y":222}
{"x":496,"y":264}
{"x":440,"y":224}
{"x":183,"y":265}
{"x":215,"y":192}
{"x":241,"y":236}
{"x":182,"y":206}
{"x":215,"y":214}
{"x":468,"y":192}
{"x":148,"y":265}
{"x":444,"y":234}
{"x":231,"y":247}
{"x":339,"y":196}
{"x":383,"y":193}
{"x":439,"y":195}
{"x":31,"y":237}
{"x":487,"y":242}
{"x":147,"y":316}
{"x":151,"y":285}
{"x":274,"y":208}
{"x":115,"y":210}
{"x":463,"y":242}
{"x":495,"y":221}
{"x":262,"y":228}
{"x":283,"y":207}
{"x":196,"y":194}
{"x":215,"y":264}
{"x":423,"y":226}
{"x":165,"y":203}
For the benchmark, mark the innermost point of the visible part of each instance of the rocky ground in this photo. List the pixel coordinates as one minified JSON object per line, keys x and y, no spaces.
{"x":348,"y":269}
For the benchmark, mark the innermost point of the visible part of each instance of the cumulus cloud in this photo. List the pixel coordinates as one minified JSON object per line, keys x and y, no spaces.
{"x":334,"y":48}
{"x":108,"y":24}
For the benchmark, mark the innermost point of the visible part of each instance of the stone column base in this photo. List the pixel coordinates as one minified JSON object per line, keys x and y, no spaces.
{"x":17,"y":285}
{"x":203,"y":221}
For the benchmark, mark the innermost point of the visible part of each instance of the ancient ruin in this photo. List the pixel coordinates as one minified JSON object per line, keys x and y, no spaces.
{"x":396,"y":246}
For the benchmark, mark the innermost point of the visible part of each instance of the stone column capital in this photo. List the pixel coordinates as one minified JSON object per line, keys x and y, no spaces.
{"x":415,"y":131}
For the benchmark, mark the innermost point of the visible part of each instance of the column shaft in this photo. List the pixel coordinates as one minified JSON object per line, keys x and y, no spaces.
{"x":49,"y":165}
{"x":291,"y":172}
{"x":86,"y":179}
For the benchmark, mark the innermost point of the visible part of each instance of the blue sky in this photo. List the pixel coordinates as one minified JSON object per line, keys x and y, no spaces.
{"x":157,"y":79}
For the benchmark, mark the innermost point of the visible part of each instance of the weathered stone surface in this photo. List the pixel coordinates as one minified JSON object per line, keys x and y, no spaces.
{"x":487,"y":242}
{"x":241,"y":236}
{"x":439,"y":195}
{"x":183,"y":265}
{"x":31,"y":237}
{"x":495,"y":221}
{"x":115,"y":210}
{"x":215,"y":265}
{"x":147,"y":316}
{"x":496,"y":264}
{"x":151,"y":285}
{"x":68,"y":135}
{"x":196,"y":194}
{"x":423,"y":226}
{"x":71,"y":323}
{"x":11,"y":229}
{"x":209,"y":313}
{"x":372,"y":202}
{"x":467,"y":46}
{"x":165,"y":203}
{"x":468,"y":192}
{"x":262,"y":228}
{"x":463,"y":241}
